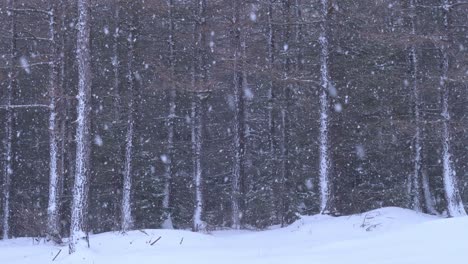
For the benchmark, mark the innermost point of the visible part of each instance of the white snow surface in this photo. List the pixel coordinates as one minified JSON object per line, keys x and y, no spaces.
{"x":387,"y":235}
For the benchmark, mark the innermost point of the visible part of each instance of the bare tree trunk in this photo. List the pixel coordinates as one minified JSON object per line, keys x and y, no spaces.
{"x":55,"y":172}
{"x":239,"y":118}
{"x":283,"y":140}
{"x":197,"y":117}
{"x":197,"y":125}
{"x":452,"y":194}
{"x":8,"y":168}
{"x":168,"y":169}
{"x":117,"y":103}
{"x":415,"y":178}
{"x":79,"y":203}
{"x":428,"y":197}
{"x":271,"y":90}
{"x":284,"y":159}
{"x":324,"y":169}
{"x":63,"y":108}
{"x":239,"y":122}
{"x":127,"y":220}
{"x":116,"y":62}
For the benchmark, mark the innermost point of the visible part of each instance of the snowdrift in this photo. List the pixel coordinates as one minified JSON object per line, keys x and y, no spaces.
{"x":387,"y":235}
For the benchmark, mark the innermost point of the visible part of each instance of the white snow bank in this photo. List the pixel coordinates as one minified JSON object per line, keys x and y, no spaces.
{"x":387,"y":235}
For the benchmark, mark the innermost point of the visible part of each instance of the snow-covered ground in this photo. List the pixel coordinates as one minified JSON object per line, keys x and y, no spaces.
{"x":387,"y":235}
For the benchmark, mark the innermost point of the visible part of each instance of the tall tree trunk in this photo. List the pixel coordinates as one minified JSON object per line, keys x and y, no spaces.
{"x":284,"y":119}
{"x":197,"y":126}
{"x":197,"y":115}
{"x":324,"y":169}
{"x":62,"y":169}
{"x":284,"y":160}
{"x":168,"y":169}
{"x":127,"y":220}
{"x":117,"y":103}
{"x":414,"y":185}
{"x":8,"y":168}
{"x":55,"y":171}
{"x":116,"y":62}
{"x":452,"y":194}
{"x":271,"y":90}
{"x":239,"y":122}
{"x":83,"y":54}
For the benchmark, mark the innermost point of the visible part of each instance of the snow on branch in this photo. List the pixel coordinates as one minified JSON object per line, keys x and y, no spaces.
{"x":24,"y":106}
{"x":30,"y":10}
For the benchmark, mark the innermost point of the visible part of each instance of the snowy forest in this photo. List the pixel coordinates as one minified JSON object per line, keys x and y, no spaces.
{"x":120,"y":115}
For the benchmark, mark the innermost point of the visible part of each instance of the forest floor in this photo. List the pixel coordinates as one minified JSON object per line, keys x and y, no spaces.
{"x":387,"y":235}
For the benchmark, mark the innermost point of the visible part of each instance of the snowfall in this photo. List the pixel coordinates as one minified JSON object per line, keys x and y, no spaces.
{"x":387,"y":235}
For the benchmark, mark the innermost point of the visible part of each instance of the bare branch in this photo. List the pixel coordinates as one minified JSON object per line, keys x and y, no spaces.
{"x":24,"y":106}
{"x":30,"y":10}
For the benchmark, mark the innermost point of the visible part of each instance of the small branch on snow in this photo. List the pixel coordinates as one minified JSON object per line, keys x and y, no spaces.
{"x":154,"y":242}
{"x":57,"y":255}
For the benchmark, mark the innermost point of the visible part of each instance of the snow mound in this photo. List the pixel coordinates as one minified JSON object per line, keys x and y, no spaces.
{"x":386,"y":235}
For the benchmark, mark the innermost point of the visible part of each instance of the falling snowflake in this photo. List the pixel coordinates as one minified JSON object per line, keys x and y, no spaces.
{"x":98,"y":140}
{"x":338,"y":108}
{"x":25,"y":64}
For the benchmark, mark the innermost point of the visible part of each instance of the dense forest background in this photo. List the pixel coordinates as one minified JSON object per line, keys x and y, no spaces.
{"x":201,"y":103}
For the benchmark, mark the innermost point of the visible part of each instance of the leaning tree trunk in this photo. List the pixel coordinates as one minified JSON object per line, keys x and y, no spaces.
{"x":127,"y":220}
{"x":324,"y":168}
{"x":79,"y":202}
{"x":8,"y":168}
{"x":55,"y":171}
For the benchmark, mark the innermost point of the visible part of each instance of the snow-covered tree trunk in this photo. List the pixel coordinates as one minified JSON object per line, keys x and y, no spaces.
{"x":197,"y":115}
{"x":239,"y":122}
{"x":428,"y":197}
{"x":168,"y":170}
{"x":127,"y":220}
{"x":418,"y":181}
{"x":415,"y":178}
{"x":83,"y":55}
{"x":197,"y":126}
{"x":324,"y":167}
{"x":452,"y":194}
{"x":63,"y":87}
{"x":53,"y":225}
{"x":8,"y":168}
